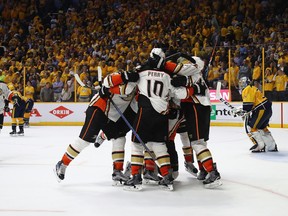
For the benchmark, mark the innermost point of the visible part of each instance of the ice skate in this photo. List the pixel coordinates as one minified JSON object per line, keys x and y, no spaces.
{"x":26,"y":125}
{"x":212,"y":179}
{"x":13,"y":133}
{"x":255,"y":149}
{"x":202,"y":174}
{"x":20,"y":133}
{"x":100,"y":139}
{"x":119,"y":178}
{"x":166,"y":183}
{"x":190,"y":168}
{"x":150,"y":177}
{"x":59,"y":171}
{"x":134,"y":183}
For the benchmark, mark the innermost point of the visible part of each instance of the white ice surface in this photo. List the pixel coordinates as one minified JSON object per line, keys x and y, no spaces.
{"x":253,"y":184}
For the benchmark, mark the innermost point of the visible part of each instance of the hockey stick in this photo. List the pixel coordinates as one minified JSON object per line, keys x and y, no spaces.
{"x":210,"y":60}
{"x":134,"y":132}
{"x":218,"y":95}
{"x":121,"y":114}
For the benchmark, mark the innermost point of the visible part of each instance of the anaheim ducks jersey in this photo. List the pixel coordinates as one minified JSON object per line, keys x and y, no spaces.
{"x":156,"y":86}
{"x":192,"y":70}
{"x":4,"y":91}
{"x":123,"y":95}
{"x":252,"y":97}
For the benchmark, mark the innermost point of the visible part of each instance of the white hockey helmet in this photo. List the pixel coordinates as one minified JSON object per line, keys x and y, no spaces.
{"x":157,"y":51}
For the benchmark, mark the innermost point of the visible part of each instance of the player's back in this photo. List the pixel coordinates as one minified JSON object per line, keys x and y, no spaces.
{"x":155,"y":86}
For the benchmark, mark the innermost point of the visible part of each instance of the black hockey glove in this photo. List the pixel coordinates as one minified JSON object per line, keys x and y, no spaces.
{"x":6,"y":109}
{"x":199,"y":88}
{"x":15,"y":98}
{"x":104,"y":92}
{"x":156,"y":62}
{"x":181,"y":81}
{"x":129,"y":76}
{"x":173,"y":113}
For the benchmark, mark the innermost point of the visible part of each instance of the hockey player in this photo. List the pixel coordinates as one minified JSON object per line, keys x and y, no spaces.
{"x":116,"y":128}
{"x":177,"y":124}
{"x":29,"y":103}
{"x":17,"y":115}
{"x":151,"y":123}
{"x":196,"y":111}
{"x":6,"y":96}
{"x":116,"y":132}
{"x":96,"y":119}
{"x":3,"y":104}
{"x":29,"y":98}
{"x":256,"y":111}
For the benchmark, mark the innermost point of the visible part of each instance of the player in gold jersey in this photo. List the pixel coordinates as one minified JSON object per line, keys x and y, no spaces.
{"x":258,"y":111}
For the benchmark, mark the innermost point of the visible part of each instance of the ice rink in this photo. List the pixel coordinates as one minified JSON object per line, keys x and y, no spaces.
{"x":253,"y":184}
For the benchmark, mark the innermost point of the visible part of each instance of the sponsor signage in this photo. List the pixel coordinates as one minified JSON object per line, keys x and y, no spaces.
{"x":224,"y":93}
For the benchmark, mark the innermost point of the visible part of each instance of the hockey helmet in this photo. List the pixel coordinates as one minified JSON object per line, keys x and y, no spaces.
{"x":158,"y":52}
{"x":243,"y":82}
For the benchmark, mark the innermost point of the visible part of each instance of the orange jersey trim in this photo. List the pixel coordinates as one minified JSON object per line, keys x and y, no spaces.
{"x":170,"y":66}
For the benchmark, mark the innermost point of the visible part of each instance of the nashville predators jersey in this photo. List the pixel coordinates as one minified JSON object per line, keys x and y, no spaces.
{"x":252,"y":97}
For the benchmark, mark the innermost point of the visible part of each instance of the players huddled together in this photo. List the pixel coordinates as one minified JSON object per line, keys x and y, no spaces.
{"x":163,"y":96}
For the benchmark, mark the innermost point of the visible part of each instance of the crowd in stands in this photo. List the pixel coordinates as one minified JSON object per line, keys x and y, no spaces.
{"x":44,"y":42}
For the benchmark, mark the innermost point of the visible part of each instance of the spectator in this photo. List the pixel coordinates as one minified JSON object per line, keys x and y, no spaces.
{"x":57,"y":88}
{"x":269,"y":84}
{"x":66,"y":95}
{"x":2,"y":76}
{"x":84,"y":93}
{"x":245,"y":70}
{"x":280,"y":85}
{"x":46,"y":93}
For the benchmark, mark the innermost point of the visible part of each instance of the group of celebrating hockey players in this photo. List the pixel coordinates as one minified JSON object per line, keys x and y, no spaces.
{"x":160,"y":98}
{"x":155,"y":99}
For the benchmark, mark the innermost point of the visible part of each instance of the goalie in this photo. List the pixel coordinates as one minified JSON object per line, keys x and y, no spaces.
{"x":256,"y":113}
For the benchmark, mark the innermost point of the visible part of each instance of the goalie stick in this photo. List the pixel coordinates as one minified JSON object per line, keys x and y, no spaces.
{"x":219,"y":97}
{"x":122,"y":116}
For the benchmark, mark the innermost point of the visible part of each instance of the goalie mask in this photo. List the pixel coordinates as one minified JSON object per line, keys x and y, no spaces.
{"x":243,"y":82}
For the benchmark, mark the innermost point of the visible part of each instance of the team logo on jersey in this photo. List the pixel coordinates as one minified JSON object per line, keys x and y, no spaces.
{"x":61,"y":112}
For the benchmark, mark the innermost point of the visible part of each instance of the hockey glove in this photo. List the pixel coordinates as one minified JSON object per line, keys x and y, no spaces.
{"x":15,"y":98}
{"x":129,"y":76}
{"x":181,"y":81}
{"x":156,"y":61}
{"x":199,"y":88}
{"x":104,"y":92}
{"x":238,"y":112}
{"x":6,"y":109}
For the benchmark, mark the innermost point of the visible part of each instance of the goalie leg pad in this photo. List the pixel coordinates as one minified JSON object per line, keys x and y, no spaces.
{"x":268,"y":140}
{"x":257,"y":140}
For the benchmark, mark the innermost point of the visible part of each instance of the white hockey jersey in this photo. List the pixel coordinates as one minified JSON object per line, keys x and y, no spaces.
{"x":4,"y":94}
{"x":194,"y":70}
{"x":156,"y":86}
{"x":123,"y":95}
{"x":123,"y":100}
